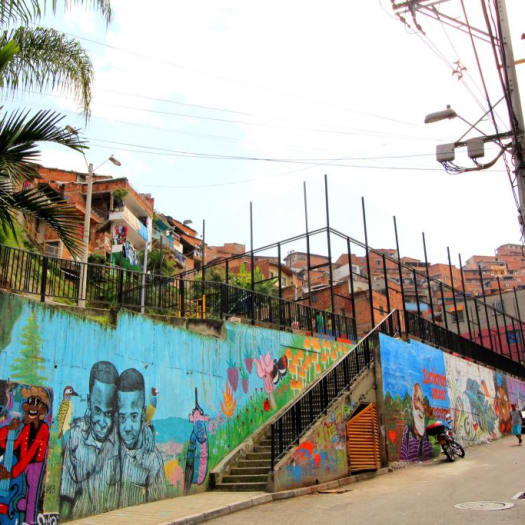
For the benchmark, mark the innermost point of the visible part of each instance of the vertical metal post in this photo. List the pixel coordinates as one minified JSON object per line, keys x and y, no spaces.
{"x":489,"y":330}
{"x":498,"y":331}
{"x":479,"y":322}
{"x":453,"y":291}
{"x":308,"y":263}
{"x":227,"y":271}
{"x":203,"y":250}
{"x":414,"y":276}
{"x":160,"y":271}
{"x":400,"y":268}
{"x":504,"y":316}
{"x":280,"y":285}
{"x":352,"y":297}
{"x":252,"y":264}
{"x":464,"y":296}
{"x":370,"y":291}
{"x":328,"y":238}
{"x":428,"y":278}
{"x":521,"y":324}
{"x":43,"y":281}
{"x":443,"y":305}
{"x":386,"y":285}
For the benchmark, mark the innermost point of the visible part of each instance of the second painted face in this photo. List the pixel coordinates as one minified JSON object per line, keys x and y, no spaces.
{"x":102,"y":409}
{"x":130,"y":416}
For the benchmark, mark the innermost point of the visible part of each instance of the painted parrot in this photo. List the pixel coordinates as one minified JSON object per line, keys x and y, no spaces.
{"x":152,"y":405}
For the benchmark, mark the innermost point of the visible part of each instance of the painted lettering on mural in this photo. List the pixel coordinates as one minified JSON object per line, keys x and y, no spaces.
{"x":477,"y":398}
{"x":25,"y":414}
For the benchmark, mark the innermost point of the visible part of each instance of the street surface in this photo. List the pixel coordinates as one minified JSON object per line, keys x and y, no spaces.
{"x":420,"y":494}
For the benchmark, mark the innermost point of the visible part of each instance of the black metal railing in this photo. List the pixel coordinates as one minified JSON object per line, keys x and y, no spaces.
{"x":439,"y":336}
{"x":36,"y":274}
{"x":312,"y":404}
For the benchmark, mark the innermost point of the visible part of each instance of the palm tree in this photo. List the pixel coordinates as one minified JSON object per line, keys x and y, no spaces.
{"x":19,"y":133}
{"x":45,"y":57}
{"x":36,"y":57}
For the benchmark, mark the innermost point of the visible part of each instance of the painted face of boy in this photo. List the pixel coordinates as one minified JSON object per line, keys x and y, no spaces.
{"x":130,"y":416}
{"x":102,"y":408}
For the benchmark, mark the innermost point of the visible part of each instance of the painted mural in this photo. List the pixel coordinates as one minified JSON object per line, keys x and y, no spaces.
{"x":422,"y":384}
{"x":321,"y":455}
{"x":25,"y":419}
{"x":145,"y":410}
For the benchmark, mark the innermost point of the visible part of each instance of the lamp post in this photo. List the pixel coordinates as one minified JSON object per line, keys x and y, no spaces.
{"x":87,"y":219}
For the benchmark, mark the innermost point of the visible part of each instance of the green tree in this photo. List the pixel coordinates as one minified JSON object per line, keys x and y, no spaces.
{"x":28,"y":366}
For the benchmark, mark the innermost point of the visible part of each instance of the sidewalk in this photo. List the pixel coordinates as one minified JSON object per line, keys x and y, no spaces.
{"x":207,"y":505}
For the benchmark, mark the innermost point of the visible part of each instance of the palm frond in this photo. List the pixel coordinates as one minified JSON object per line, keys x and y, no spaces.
{"x":47,"y":206}
{"x":47,"y":59}
{"x":19,"y":135}
{"x":25,"y":11}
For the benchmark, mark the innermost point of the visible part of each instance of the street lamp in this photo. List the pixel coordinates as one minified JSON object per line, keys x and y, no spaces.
{"x":87,"y":218}
{"x":440,"y":115}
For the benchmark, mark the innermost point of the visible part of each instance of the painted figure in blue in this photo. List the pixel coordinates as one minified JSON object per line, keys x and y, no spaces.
{"x":91,"y":469}
{"x":142,"y":468}
{"x":198,"y":453}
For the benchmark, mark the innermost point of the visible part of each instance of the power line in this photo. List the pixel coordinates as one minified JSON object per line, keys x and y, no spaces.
{"x":236,"y":81}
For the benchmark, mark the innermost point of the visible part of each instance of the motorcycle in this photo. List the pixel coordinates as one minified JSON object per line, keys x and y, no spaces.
{"x":444,"y":436}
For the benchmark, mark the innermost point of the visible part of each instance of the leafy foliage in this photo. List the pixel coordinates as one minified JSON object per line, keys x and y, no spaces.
{"x":47,"y":59}
{"x":18,"y":134}
{"x":27,"y":11}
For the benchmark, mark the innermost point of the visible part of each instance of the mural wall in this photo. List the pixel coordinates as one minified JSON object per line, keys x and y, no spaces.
{"x":322,"y":455}
{"x":145,"y":410}
{"x":422,"y":384}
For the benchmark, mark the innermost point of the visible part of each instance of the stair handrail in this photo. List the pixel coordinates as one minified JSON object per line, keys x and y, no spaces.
{"x":328,"y":387}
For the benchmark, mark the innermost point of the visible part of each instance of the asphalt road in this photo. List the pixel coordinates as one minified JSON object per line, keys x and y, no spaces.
{"x":420,"y":494}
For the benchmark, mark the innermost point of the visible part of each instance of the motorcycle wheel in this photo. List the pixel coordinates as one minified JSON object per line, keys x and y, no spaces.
{"x":449,"y":452}
{"x":458,"y":449}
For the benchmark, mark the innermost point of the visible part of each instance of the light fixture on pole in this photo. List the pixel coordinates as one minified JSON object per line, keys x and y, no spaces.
{"x":87,"y":218}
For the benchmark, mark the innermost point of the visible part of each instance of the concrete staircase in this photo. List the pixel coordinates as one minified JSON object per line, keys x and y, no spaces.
{"x":250,"y":472}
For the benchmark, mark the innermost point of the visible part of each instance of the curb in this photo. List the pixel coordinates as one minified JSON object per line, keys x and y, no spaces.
{"x":275,"y":496}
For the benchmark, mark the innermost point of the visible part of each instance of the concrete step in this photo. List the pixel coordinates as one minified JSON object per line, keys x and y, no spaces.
{"x":259,"y":456}
{"x":254,"y":463}
{"x":245,"y":478}
{"x":240,"y":471}
{"x":265,"y":443}
{"x":241,"y":487}
{"x":262,"y":448}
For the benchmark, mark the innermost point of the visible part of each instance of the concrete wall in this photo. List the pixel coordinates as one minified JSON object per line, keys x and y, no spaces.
{"x":143,"y":409}
{"x":422,"y":384}
{"x":321,"y":455}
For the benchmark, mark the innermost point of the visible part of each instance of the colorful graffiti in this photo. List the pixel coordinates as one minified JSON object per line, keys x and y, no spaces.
{"x":422,"y":384}
{"x":25,"y":416}
{"x":147,"y":409}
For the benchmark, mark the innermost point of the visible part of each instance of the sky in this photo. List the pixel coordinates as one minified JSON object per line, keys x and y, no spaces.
{"x":337,"y":88}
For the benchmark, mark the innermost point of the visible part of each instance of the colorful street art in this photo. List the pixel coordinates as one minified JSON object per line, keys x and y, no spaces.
{"x":25,"y":418}
{"x":145,"y":409}
{"x":421,"y":384}
{"x":321,"y":456}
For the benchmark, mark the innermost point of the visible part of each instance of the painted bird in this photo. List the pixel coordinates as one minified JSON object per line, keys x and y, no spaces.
{"x":152,"y":406}
{"x":65,"y":411}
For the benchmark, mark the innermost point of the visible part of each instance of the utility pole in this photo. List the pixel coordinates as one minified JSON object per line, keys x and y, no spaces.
{"x":514,"y":106}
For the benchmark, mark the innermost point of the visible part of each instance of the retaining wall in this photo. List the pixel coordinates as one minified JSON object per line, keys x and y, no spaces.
{"x":138,"y":409}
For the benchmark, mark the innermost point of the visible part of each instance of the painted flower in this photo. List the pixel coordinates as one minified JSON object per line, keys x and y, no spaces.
{"x":229,"y":402}
{"x":288,"y":353}
{"x":266,"y":405}
{"x":264,"y":367}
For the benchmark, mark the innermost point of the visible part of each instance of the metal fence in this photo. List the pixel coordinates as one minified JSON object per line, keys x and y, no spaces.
{"x":439,"y":336}
{"x":303,"y":413}
{"x":50,"y":277}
